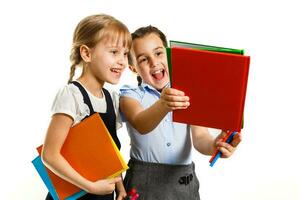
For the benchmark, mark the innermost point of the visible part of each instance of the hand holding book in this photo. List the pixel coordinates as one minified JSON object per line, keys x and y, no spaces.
{"x":226,"y":143}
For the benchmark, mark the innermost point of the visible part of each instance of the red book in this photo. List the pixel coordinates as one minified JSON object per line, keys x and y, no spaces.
{"x":216,"y":83}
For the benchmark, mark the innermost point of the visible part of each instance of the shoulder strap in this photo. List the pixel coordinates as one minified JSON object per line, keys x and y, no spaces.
{"x":109,"y":102}
{"x":85,"y":95}
{"x":109,"y":117}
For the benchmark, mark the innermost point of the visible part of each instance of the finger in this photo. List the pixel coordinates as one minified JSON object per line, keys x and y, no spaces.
{"x":226,"y":146}
{"x":115,"y":180}
{"x":172,"y":91}
{"x":175,"y":98}
{"x":224,"y":133}
{"x":221,"y":136}
{"x":179,"y":108}
{"x":236,"y":140}
{"x":225,"y":152}
{"x":120,"y":198}
{"x":178,"y":104}
{"x":123,"y":196}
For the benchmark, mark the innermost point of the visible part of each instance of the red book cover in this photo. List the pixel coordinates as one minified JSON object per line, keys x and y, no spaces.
{"x":216,"y":84}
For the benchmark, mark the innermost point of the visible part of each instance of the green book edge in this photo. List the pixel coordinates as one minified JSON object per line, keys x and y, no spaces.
{"x":168,"y":51}
{"x":206,"y":47}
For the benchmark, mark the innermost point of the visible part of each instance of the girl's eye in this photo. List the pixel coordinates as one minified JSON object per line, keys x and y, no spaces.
{"x":114,"y":52}
{"x":159,"y":53}
{"x":142,"y":60}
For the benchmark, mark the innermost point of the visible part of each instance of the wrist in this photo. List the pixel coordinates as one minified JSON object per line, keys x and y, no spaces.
{"x":88,"y":187}
{"x":163,"y":106}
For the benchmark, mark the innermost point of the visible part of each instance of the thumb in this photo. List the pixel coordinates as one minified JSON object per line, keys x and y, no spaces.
{"x":222,"y":135}
{"x":115,"y":180}
{"x":236,"y":140}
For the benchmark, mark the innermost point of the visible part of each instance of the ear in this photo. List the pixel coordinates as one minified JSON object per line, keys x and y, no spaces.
{"x":132,"y":68}
{"x":132,"y":61}
{"x":85,"y":53}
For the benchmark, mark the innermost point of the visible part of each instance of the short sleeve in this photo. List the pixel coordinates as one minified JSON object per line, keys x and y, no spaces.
{"x":132,"y":92}
{"x":115,"y":98}
{"x":64,"y":102}
{"x":69,"y":101}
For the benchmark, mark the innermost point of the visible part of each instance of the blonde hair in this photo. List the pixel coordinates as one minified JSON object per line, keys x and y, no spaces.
{"x":94,"y":29}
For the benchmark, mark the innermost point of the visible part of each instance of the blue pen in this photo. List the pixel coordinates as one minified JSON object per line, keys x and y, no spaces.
{"x":230,"y":138}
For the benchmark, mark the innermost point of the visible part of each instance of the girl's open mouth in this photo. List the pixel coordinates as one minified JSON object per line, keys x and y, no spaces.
{"x":158,"y":74}
{"x":116,"y":70}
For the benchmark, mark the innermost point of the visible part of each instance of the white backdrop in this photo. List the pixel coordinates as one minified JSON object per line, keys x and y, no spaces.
{"x":35,"y":44}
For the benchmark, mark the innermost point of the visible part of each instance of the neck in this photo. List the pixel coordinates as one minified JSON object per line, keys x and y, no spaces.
{"x":161,"y":88}
{"x":92,"y":84}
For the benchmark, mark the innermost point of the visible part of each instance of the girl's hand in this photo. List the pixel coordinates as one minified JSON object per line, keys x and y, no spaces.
{"x":227,"y":149}
{"x":173,"y":99}
{"x":121,"y":192}
{"x":122,"y":195}
{"x":103,"y":187}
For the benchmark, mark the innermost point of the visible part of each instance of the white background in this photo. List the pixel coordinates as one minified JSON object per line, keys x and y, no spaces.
{"x":35,"y":44}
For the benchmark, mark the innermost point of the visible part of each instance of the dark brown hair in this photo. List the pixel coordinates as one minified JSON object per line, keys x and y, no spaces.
{"x":143,"y":31}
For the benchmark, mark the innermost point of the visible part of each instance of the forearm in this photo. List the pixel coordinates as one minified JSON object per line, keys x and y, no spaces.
{"x":146,"y":120}
{"x":143,"y":120}
{"x":203,"y":141}
{"x":207,"y":148}
{"x":58,"y":165}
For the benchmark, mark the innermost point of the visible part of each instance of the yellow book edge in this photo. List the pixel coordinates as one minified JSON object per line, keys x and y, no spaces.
{"x":124,"y":164}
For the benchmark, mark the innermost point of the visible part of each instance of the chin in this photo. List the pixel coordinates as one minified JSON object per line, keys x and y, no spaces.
{"x":160,"y":86}
{"x":113,"y":82}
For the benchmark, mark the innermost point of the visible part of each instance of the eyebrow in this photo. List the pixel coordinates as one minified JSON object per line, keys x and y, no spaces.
{"x":116,"y":47}
{"x":153,"y":50}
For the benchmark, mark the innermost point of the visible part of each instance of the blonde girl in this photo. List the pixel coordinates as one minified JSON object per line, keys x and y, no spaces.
{"x":100,"y":45}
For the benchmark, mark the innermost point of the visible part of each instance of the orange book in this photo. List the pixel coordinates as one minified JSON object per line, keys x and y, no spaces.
{"x":91,"y":151}
{"x":216,"y":83}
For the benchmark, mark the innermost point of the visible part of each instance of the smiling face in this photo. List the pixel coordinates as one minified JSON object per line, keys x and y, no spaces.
{"x":151,"y":59}
{"x":108,"y":61}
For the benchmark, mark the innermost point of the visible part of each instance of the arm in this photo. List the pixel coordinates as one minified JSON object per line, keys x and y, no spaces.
{"x":145,"y":120}
{"x":56,"y":135}
{"x":203,"y":141}
{"x":207,"y":144}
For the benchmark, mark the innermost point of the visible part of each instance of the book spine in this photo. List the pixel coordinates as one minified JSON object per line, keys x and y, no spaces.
{"x":245,"y":78}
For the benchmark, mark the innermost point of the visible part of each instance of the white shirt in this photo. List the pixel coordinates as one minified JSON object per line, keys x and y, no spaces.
{"x":69,"y":101}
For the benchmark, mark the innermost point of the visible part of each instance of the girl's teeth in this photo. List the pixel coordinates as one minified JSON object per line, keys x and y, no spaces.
{"x":158,"y":71}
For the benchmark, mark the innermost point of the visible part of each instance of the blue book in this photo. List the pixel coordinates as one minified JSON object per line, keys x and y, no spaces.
{"x":40,"y":168}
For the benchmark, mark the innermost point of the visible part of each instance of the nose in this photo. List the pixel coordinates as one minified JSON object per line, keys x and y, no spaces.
{"x":154,"y":62}
{"x":122,"y":60}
